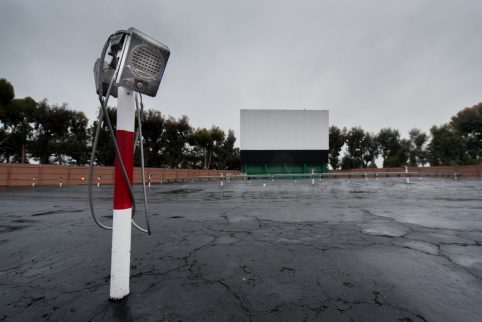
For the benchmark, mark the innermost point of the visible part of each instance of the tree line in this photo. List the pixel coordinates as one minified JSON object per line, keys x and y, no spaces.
{"x":31,"y":130}
{"x":458,"y":142}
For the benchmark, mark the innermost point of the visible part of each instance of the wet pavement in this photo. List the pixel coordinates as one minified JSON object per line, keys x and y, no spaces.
{"x":337,"y":250}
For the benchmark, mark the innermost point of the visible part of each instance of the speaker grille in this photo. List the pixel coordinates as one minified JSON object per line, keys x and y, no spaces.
{"x":147,"y":61}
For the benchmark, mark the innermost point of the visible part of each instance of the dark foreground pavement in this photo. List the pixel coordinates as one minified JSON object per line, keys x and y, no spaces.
{"x":288,"y":251}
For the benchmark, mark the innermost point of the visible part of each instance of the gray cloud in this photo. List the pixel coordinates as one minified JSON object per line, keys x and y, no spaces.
{"x":372,"y":63}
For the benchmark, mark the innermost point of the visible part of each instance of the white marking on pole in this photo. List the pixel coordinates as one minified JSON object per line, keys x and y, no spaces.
{"x":98,"y":181}
{"x":121,"y":253}
{"x":312,"y":176}
{"x":126,"y":102}
{"x":33,"y":181}
{"x":406,"y":174}
{"x":222,"y":179}
{"x":60,"y":182}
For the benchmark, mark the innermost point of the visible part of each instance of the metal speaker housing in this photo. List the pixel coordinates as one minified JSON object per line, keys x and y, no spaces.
{"x":142,"y":64}
{"x":108,"y":73}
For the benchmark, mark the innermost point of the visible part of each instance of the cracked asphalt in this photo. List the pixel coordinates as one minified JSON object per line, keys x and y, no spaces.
{"x":338,"y":250}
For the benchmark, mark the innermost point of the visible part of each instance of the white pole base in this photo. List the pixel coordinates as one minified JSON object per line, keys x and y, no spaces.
{"x":121,"y":254}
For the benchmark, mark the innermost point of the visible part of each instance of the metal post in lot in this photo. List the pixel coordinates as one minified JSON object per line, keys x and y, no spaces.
{"x":122,"y":212}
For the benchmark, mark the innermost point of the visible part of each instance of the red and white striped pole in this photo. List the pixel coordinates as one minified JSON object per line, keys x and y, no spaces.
{"x":121,"y":226}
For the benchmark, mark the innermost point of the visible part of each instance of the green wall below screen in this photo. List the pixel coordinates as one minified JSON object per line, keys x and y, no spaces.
{"x":282,"y":169}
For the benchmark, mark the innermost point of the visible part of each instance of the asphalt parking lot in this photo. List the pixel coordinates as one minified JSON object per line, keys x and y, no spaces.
{"x":338,"y":250}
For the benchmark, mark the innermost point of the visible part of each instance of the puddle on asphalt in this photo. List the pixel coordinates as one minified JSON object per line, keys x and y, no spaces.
{"x":383,"y":229}
{"x":422,"y":247}
{"x":9,"y":229}
{"x":182,"y":191}
{"x":21,"y":221}
{"x":469,"y":256}
{"x":45,"y":213}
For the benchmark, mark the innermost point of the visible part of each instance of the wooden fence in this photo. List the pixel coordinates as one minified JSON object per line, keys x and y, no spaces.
{"x":12,"y":174}
{"x":463,"y":172}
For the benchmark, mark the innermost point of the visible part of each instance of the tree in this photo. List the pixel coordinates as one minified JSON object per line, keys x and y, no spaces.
{"x":400,"y":157}
{"x":201,"y":141}
{"x":389,"y":142}
{"x":216,"y":154}
{"x":336,"y":142}
{"x":418,"y":147}
{"x":4,"y":157}
{"x":446,"y":147}
{"x":16,"y":117}
{"x":75,"y":145}
{"x":353,"y":158}
{"x":230,"y":154}
{"x":7,"y":92}
{"x":362,"y":149}
{"x":468,"y":124}
{"x":153,"y":131}
{"x":175,"y":140}
{"x":213,"y":149}
{"x":51,"y":125}
{"x":371,"y":150}
{"x":233,"y":162}
{"x":105,"y":154}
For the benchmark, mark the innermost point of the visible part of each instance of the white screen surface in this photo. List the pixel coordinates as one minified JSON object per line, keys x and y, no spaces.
{"x":284,"y":130}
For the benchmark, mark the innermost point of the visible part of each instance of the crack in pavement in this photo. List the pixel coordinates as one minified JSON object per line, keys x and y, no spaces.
{"x":240,"y":300}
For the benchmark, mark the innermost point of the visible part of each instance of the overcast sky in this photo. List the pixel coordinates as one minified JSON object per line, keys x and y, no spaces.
{"x":379,"y":63}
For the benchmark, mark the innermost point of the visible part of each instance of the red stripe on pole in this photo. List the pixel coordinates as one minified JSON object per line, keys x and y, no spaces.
{"x":125,"y":141}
